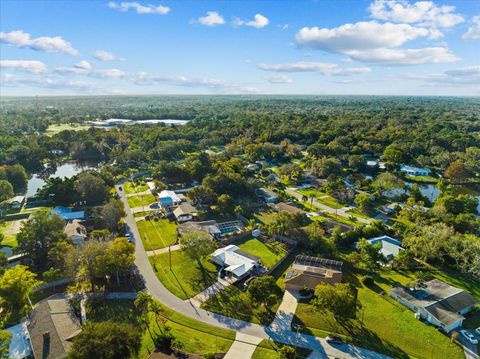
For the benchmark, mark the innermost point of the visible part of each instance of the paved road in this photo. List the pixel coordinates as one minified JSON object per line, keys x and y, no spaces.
{"x":340,"y":211}
{"x":279,"y":333}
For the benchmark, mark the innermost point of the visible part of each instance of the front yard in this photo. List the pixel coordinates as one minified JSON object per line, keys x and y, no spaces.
{"x":130,"y":187}
{"x":382,"y":324}
{"x":157,"y":234}
{"x":269,"y":253}
{"x":142,"y":200}
{"x":185,"y":279}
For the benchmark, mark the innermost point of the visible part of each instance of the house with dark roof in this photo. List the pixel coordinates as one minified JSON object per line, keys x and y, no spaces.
{"x":308,"y":272}
{"x":185,"y":212}
{"x":52,"y":326}
{"x":439,"y":303}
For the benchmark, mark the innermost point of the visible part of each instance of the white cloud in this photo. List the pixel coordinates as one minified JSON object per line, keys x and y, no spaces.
{"x":106,"y":56}
{"x":374,"y":42}
{"x":258,"y":22}
{"x":83,"y":65}
{"x":473,"y":32}
{"x":382,"y":56}
{"x":279,"y":79}
{"x":423,"y":13}
{"x":109,"y":74}
{"x":139,"y":8}
{"x":211,"y":19}
{"x":46,"y":82}
{"x":461,"y":76}
{"x":45,"y":43}
{"x":319,"y":67}
{"x":32,"y":66}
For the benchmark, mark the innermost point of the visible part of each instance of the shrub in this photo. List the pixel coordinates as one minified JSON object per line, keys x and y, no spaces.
{"x":368,"y":281}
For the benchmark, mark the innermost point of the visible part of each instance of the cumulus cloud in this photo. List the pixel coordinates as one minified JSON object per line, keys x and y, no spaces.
{"x":44,"y":43}
{"x":473,"y":32}
{"x":258,"y":22}
{"x":32,"y":66}
{"x":323,"y":68}
{"x":139,"y":8}
{"x":376,"y":42}
{"x":279,"y":79}
{"x":211,"y":19}
{"x":460,"y":76}
{"x":423,"y":13}
{"x":106,"y":56}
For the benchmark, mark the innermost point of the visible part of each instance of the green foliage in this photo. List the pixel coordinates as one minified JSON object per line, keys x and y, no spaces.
{"x":340,"y":299}
{"x":261,"y":289}
{"x":5,"y":340}
{"x":15,"y":175}
{"x":197,"y":245}
{"x":16,"y":285}
{"x":91,"y":188}
{"x":6,"y":190}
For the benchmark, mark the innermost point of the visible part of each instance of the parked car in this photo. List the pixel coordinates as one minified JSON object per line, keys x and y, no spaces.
{"x":477,"y":330}
{"x":469,"y":336}
{"x":334,"y":340}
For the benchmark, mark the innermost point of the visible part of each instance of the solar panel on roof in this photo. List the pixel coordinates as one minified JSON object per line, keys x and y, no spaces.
{"x":318,"y":262}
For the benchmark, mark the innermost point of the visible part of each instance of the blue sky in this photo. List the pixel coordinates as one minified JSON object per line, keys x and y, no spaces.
{"x":378,"y":47}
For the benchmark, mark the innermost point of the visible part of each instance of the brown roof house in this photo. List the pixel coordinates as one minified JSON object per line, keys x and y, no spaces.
{"x":437,"y":302}
{"x":308,"y":272}
{"x":76,"y":231}
{"x":52,"y":327}
{"x":185,"y":212}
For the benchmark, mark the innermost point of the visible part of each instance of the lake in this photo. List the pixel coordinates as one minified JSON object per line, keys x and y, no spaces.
{"x":64,"y":170}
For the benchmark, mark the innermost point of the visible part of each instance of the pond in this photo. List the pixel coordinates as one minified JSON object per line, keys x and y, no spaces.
{"x":63,"y":170}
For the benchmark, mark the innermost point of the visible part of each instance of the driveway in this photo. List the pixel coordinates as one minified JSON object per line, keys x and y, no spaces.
{"x":280,"y":334}
{"x":243,"y":347}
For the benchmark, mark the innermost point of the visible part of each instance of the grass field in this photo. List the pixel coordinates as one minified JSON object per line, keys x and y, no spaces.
{"x":423,"y":179}
{"x":130,"y":187}
{"x":157,"y":234}
{"x":54,"y":129}
{"x":387,"y":327}
{"x":197,"y":337}
{"x":357,"y":213}
{"x":139,"y":201}
{"x":185,"y":279}
{"x":269,"y":253}
{"x":266,"y":216}
{"x":9,"y":231}
{"x":268,"y":349}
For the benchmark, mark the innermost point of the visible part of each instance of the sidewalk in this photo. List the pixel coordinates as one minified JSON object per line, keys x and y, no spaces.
{"x":203,"y":296}
{"x":243,"y":347}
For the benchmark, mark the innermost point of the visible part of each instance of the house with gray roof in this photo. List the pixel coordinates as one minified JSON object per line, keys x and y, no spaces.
{"x":439,"y":303}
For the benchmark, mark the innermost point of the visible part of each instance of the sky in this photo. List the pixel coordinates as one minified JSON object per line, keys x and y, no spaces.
{"x":375,"y":47}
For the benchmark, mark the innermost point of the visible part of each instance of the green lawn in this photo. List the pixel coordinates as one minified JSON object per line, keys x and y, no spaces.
{"x":197,"y":337}
{"x":266,"y":216}
{"x":311,"y":192}
{"x":54,"y":129}
{"x":139,"y":201}
{"x":268,"y":349}
{"x":185,"y":279}
{"x":388,"y":327}
{"x":330,"y":202}
{"x":130,"y":187}
{"x":9,"y":231}
{"x":269,"y":253}
{"x":424,"y":179}
{"x":357,"y":213}
{"x":157,"y":234}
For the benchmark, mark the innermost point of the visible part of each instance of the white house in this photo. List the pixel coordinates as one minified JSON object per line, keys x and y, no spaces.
{"x":236,"y":262}
{"x":414,"y":171}
{"x":440,"y":304}
{"x":185,"y":212}
{"x":170,"y":198}
{"x":390,"y":247}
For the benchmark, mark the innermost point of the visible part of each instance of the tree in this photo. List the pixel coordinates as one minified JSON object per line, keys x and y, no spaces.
{"x":91,"y":188}
{"x":328,"y":167}
{"x":106,"y":340}
{"x":16,"y":175}
{"x":364,"y":201}
{"x":202,"y":195}
{"x":262,"y":289}
{"x":370,"y":254}
{"x":291,"y":171}
{"x":38,"y":235}
{"x":61,"y":191}
{"x":6,"y":190}
{"x":393,"y":155}
{"x":112,"y":213}
{"x":197,"y":245}
{"x":5,"y":340}
{"x":16,"y":285}
{"x":287,"y":352}
{"x":340,"y":299}
{"x":457,"y":171}
{"x":387,"y":181}
{"x":120,"y":257}
{"x":87,"y":262}
{"x":225,"y":203}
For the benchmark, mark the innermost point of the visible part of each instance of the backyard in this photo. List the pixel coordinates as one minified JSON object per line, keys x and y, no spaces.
{"x":185,"y":279}
{"x":382,"y":324}
{"x":142,"y":200}
{"x":131,"y":187}
{"x":269,"y":253}
{"x":157,"y":234}
{"x":265,"y":216}
{"x":9,"y":230}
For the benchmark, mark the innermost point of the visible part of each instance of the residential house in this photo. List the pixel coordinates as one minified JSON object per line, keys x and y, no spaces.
{"x":376,"y":164}
{"x":151,"y":186}
{"x":212,"y":227}
{"x":76,"y":231}
{"x":287,"y":207}
{"x":267,"y":195}
{"x":392,"y":208}
{"x":439,"y":303}
{"x":308,"y":272}
{"x":52,"y":327}
{"x":170,"y":198}
{"x":253,"y":167}
{"x":67,"y":214}
{"x":414,"y":171}
{"x":185,"y":212}
{"x":237,"y":263}
{"x":19,"y":347}
{"x":16,"y":203}
{"x":389,"y":247}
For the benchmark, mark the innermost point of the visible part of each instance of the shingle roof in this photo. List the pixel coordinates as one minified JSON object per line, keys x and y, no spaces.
{"x":446,"y":310}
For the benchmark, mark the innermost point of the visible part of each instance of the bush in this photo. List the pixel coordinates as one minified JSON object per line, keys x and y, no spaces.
{"x":164,"y":340}
{"x":368,"y":281}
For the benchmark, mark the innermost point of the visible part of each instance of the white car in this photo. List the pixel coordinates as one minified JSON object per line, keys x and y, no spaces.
{"x":477,"y":330}
{"x":469,"y":336}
